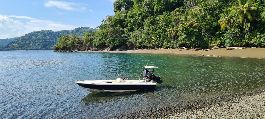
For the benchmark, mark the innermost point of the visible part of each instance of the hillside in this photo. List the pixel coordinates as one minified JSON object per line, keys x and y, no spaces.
{"x":5,"y":42}
{"x":149,"y":24}
{"x":40,"y":40}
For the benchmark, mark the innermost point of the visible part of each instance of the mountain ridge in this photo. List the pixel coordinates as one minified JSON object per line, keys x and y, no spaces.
{"x":40,"y":40}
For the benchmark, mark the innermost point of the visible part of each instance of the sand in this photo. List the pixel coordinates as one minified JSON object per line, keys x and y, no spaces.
{"x":221,"y":52}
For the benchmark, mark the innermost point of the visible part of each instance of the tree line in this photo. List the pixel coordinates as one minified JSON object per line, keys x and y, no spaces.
{"x":39,"y":40}
{"x":148,"y":24}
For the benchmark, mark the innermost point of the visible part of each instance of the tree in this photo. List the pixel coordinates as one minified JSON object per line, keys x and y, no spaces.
{"x":239,"y":21}
{"x":177,"y":23}
{"x":88,"y":38}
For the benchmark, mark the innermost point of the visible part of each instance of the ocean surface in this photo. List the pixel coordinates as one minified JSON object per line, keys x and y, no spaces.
{"x":41,"y":84}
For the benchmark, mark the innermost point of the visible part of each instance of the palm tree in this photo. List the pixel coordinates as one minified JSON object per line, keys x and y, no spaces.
{"x":246,"y":12}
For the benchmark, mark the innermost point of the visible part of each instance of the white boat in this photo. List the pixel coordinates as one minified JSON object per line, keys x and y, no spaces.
{"x":148,"y":82}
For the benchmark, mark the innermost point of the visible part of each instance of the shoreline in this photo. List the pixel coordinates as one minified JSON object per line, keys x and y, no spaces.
{"x":257,"y":53}
{"x":248,"y":106}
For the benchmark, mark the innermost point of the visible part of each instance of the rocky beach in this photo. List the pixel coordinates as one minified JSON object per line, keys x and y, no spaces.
{"x":242,"y":107}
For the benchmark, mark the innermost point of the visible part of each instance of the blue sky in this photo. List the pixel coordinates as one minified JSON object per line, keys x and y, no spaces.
{"x":18,"y":17}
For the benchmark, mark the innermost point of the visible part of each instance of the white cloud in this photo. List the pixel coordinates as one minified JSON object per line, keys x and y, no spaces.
{"x":64,"y":5}
{"x":15,"y":26}
{"x":112,"y":1}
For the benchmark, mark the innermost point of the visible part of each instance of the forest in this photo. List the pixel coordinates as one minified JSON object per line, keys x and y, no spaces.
{"x":151,"y":24}
{"x":39,"y":40}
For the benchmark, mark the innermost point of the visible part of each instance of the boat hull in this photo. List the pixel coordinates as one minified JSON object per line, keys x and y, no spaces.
{"x":118,"y":87}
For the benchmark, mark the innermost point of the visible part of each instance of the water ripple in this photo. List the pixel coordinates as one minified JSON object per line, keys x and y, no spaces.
{"x":41,"y":84}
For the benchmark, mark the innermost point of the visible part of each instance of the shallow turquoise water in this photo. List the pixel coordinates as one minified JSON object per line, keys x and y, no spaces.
{"x":41,"y":84}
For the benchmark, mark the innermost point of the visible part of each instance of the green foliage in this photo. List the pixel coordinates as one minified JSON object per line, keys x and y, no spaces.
{"x":42,"y":40}
{"x":36,"y":40}
{"x":231,"y":37}
{"x":69,"y":43}
{"x":88,"y":39}
{"x":148,"y":24}
{"x":240,"y":21}
{"x":258,"y":40}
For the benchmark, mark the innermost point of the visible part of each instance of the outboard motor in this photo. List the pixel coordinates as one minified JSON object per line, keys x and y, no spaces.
{"x":149,"y":75}
{"x":156,"y":79}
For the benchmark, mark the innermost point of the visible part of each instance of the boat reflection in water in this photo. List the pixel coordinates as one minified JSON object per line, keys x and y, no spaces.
{"x":95,"y":97}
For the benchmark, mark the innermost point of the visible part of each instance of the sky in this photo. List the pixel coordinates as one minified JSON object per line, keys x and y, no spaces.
{"x":18,"y":17}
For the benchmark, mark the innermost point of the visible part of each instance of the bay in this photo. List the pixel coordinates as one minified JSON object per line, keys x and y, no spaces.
{"x":41,"y":84}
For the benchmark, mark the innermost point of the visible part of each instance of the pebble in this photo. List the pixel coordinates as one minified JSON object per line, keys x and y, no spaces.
{"x":245,"y":105}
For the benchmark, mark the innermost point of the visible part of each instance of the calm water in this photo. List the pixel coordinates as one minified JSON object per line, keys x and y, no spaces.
{"x":41,"y":84}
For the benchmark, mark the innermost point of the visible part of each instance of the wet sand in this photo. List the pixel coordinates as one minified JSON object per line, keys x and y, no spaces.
{"x":221,"y":52}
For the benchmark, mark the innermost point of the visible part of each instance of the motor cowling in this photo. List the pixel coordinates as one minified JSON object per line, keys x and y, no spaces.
{"x":157,"y":79}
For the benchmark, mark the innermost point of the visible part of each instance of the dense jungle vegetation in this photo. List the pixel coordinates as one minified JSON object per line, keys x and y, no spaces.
{"x":139,"y":24}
